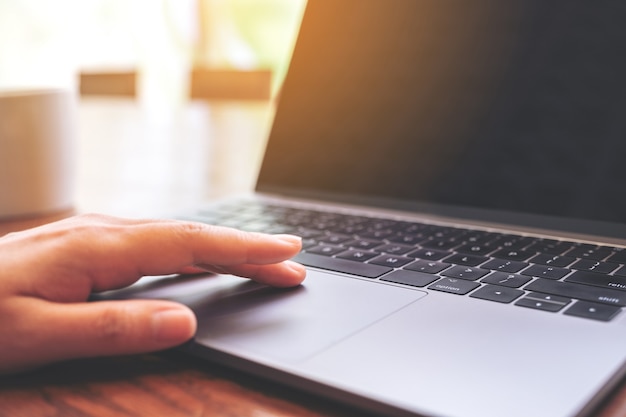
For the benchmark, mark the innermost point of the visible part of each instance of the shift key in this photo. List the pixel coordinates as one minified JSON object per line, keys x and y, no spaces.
{"x":578,"y":291}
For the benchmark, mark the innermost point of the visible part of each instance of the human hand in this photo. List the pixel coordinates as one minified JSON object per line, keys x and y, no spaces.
{"x":49,"y":272}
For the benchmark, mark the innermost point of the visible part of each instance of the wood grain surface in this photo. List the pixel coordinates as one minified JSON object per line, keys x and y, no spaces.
{"x":153,"y":385}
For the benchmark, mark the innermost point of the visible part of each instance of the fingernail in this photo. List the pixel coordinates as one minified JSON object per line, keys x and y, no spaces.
{"x":294,"y":266}
{"x":299,"y":272}
{"x":294,"y":240}
{"x":174,"y":326}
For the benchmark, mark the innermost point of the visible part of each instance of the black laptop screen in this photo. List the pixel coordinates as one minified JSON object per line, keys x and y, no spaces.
{"x":504,"y":105}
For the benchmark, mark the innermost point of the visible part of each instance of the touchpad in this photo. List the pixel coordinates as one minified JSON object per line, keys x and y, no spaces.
{"x":293,"y":324}
{"x":243,"y":317}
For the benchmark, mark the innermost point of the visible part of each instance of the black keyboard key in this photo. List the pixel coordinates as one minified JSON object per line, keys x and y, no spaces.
{"x":408,"y":227}
{"x":444,"y":244}
{"x":504,"y":265}
{"x":380,"y":224}
{"x":391,"y":261}
{"x":454,"y":286}
{"x":621,"y":272}
{"x":476,"y":249}
{"x":357,"y":255}
{"x":334,"y":239}
{"x":507,"y":280}
{"x":497,"y":293}
{"x":349,"y":229}
{"x":479,"y":237}
{"x":441,"y":232}
{"x":579,"y":291}
{"x":593,"y":311}
{"x":321,"y":224}
{"x":552,"y":260}
{"x":463,"y":259}
{"x":513,"y":254}
{"x":544,"y":302}
{"x":308,"y":243}
{"x":327,"y":250}
{"x":428,"y":254}
{"x":364,"y":243}
{"x":596,"y":253}
{"x":376,"y":234}
{"x":542,"y":271}
{"x":395,"y":249}
{"x":341,"y":265}
{"x":598,"y":280}
{"x":429,"y":267}
{"x":465,"y":272}
{"x":552,"y":247}
{"x":407,"y":239}
{"x":595,"y":266}
{"x":413,"y":278}
{"x":618,"y":256}
{"x":513,"y":242}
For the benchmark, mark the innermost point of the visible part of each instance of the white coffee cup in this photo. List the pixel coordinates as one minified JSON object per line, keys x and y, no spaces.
{"x":37,"y":148}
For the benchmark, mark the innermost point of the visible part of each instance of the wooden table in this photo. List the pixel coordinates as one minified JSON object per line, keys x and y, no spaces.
{"x":164,"y":384}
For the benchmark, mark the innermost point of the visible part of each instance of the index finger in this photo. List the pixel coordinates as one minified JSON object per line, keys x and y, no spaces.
{"x":103,"y":252}
{"x":165,"y":247}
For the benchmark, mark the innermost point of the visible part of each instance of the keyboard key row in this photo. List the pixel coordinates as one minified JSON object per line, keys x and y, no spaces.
{"x":544,"y":274}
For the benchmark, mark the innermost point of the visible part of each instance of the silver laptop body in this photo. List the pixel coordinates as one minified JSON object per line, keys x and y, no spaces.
{"x":480,"y":118}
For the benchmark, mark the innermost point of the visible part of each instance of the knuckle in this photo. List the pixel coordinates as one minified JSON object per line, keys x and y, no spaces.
{"x":192,"y":229}
{"x":113,"y":326}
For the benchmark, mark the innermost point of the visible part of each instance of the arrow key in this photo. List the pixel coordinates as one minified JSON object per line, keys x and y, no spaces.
{"x":497,"y":293}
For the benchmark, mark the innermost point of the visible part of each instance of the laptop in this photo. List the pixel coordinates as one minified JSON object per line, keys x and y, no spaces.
{"x":456,"y":171}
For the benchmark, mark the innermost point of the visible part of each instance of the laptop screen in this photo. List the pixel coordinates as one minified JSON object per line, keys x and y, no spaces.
{"x":517,"y":106}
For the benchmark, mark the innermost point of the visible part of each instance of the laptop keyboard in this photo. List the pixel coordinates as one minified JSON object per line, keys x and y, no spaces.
{"x":577,"y":279}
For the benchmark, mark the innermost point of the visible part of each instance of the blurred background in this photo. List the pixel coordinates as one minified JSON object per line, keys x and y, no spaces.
{"x":175,"y":98}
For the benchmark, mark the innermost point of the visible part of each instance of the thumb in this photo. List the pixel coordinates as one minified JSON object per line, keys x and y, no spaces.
{"x":64,"y":331}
